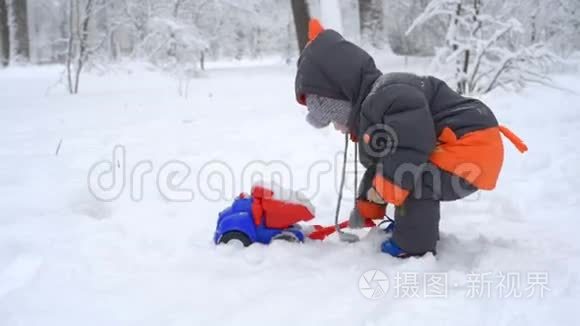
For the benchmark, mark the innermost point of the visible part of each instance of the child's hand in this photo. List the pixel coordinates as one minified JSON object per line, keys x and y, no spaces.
{"x":375,"y":197}
{"x":366,"y":210}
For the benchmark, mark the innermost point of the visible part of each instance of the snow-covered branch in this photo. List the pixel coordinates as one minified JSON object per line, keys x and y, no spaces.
{"x":478,"y":50}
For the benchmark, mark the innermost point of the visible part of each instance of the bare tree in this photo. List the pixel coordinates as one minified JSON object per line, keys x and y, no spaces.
{"x":301,"y":18}
{"x":20,"y":34}
{"x":4,"y":35}
{"x":80,"y":16}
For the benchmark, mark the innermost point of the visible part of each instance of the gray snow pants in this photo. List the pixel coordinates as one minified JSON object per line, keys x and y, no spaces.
{"x":417,"y":220}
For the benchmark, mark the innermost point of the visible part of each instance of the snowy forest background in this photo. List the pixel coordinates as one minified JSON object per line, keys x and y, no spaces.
{"x":109,"y":197}
{"x":476,"y":44}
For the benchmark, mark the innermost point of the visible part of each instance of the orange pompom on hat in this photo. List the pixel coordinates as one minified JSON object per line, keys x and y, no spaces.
{"x":314,"y":28}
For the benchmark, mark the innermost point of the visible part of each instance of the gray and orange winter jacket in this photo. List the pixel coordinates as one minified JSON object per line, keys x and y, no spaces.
{"x":425,"y":120}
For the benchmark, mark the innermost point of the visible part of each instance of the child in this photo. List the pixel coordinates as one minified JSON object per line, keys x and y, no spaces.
{"x":422,"y":142}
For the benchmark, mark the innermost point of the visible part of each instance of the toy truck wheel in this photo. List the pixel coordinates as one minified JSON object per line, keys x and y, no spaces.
{"x":286,"y":236}
{"x":235,"y":236}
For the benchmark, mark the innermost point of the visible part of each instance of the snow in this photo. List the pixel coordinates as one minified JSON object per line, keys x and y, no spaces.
{"x":331,"y":15}
{"x":146,"y":257}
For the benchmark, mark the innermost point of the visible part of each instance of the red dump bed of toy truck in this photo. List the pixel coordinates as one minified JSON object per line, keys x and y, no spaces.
{"x":277,"y":213}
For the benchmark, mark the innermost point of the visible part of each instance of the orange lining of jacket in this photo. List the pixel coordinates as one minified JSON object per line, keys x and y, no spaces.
{"x":389,"y":191}
{"x":476,"y":157}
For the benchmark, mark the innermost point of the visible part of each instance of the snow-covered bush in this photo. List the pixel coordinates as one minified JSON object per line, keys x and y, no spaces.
{"x":484,"y":50}
{"x":399,"y":15}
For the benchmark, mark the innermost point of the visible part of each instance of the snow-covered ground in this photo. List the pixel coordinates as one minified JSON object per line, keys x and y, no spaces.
{"x":146,"y":258}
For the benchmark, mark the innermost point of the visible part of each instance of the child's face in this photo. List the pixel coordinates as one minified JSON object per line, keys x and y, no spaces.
{"x":324,"y":110}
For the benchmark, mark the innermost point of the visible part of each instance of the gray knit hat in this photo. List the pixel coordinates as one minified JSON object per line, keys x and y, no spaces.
{"x":324,"y":110}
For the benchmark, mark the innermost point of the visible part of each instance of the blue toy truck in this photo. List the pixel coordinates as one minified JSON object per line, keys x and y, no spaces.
{"x":261,"y":218}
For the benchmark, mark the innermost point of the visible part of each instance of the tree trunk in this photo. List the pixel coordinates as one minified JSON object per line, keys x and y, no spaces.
{"x":476,"y":8}
{"x":78,"y":41}
{"x":70,"y":46}
{"x":364,"y":8}
{"x":4,"y":35}
{"x":534,"y":28}
{"x":371,"y":21}
{"x":455,"y":46}
{"x":83,"y":43}
{"x":301,"y":18}
{"x":20,"y":25}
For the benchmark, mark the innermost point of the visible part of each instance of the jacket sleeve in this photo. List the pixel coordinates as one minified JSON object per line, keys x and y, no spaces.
{"x":366,"y":182}
{"x":401,"y":136}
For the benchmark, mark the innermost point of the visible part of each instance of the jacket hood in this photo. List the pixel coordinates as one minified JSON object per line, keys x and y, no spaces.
{"x":330,"y":66}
